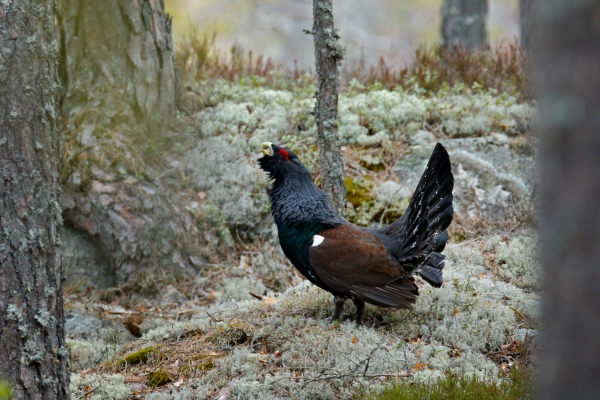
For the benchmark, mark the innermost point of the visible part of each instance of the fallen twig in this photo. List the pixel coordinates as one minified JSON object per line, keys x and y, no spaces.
{"x":256,"y":295}
{"x":88,"y":393}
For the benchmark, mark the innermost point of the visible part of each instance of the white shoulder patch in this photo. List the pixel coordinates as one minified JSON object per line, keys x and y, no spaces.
{"x":317,"y":240}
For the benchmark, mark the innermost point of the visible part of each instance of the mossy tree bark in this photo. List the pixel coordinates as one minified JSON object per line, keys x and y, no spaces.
{"x":33,"y":352}
{"x":328,"y":54}
{"x":567,"y":52}
{"x":526,"y":17}
{"x":120,"y":93}
{"x":463,"y":23}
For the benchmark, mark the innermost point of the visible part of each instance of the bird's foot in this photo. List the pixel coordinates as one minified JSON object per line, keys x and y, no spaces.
{"x":360,"y":311}
{"x":337,"y":311}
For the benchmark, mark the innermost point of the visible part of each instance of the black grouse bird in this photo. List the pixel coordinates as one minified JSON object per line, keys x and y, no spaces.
{"x":353,"y":262}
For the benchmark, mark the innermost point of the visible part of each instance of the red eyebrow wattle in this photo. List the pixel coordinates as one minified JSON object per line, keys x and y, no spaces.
{"x":284,"y":154}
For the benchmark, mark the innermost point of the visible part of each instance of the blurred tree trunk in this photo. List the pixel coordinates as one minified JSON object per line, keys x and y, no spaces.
{"x":120,"y":91}
{"x":328,"y":55}
{"x":33,"y":352}
{"x":526,"y":16}
{"x":567,"y":50}
{"x":463,"y":23}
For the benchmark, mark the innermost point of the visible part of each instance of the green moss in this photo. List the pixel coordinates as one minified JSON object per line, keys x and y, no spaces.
{"x":5,"y":391}
{"x":518,"y":385}
{"x":358,"y":190}
{"x":140,"y":356}
{"x":158,"y":378}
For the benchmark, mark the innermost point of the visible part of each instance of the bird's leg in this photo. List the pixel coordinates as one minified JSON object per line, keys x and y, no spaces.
{"x":339,"y":307}
{"x":360,"y":311}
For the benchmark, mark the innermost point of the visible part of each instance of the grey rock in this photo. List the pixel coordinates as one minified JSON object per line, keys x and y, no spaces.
{"x":84,"y":262}
{"x":171,"y":296}
{"x":83,"y":326}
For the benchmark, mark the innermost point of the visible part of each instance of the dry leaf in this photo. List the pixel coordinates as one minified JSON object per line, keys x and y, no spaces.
{"x":323,"y":351}
{"x":269,"y":301}
{"x":178,"y":383}
{"x":278,"y":354}
{"x":354,"y":340}
{"x":201,"y":195}
{"x":419,"y":367}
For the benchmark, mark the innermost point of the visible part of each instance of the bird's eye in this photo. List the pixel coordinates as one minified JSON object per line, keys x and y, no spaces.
{"x":284,"y":154}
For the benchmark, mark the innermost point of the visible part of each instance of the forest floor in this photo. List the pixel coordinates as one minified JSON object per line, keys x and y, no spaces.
{"x":248,"y":326}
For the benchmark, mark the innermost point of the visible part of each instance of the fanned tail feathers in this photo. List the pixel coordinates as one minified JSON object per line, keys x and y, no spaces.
{"x":417,"y":239}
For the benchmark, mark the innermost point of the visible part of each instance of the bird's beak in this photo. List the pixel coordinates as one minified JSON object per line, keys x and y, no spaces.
{"x":266,"y":148}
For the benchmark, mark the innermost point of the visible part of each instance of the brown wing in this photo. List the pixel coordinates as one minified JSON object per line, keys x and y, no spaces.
{"x":353,"y":261}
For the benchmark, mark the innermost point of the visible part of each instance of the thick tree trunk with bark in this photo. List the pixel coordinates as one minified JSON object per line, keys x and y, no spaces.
{"x":328,"y":54}
{"x":119,"y":54}
{"x":33,"y":352}
{"x":463,"y":23}
{"x":526,"y":19}
{"x":120,"y":91}
{"x":567,"y":50}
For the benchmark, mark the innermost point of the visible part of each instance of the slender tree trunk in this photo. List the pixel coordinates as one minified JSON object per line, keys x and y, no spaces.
{"x":328,"y":55}
{"x":463,"y":23}
{"x":119,"y":94}
{"x":526,"y":16}
{"x":33,"y":352}
{"x":567,"y":50}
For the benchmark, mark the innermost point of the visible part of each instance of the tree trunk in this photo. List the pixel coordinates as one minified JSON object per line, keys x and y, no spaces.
{"x":567,"y":50}
{"x":328,"y":54}
{"x":33,"y":352}
{"x":120,"y":56}
{"x":463,"y":24}
{"x":526,"y":16}
{"x":119,"y":94}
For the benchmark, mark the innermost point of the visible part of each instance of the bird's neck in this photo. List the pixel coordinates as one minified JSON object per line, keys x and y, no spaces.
{"x":296,"y":201}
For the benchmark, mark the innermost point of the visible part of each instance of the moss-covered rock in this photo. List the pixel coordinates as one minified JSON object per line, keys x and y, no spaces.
{"x":139,"y":356}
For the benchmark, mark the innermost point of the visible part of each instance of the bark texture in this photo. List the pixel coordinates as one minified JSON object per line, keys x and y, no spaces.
{"x":120,"y":56}
{"x":119,"y":95}
{"x":526,"y":19}
{"x":33,"y":352}
{"x":463,"y":24}
{"x":328,"y":55}
{"x":567,"y":52}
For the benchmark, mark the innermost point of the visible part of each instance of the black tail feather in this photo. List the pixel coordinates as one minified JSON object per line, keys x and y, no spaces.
{"x":433,"y":276}
{"x":418,"y":237}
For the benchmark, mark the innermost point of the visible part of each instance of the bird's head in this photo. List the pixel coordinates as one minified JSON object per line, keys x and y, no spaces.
{"x":280,"y":162}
